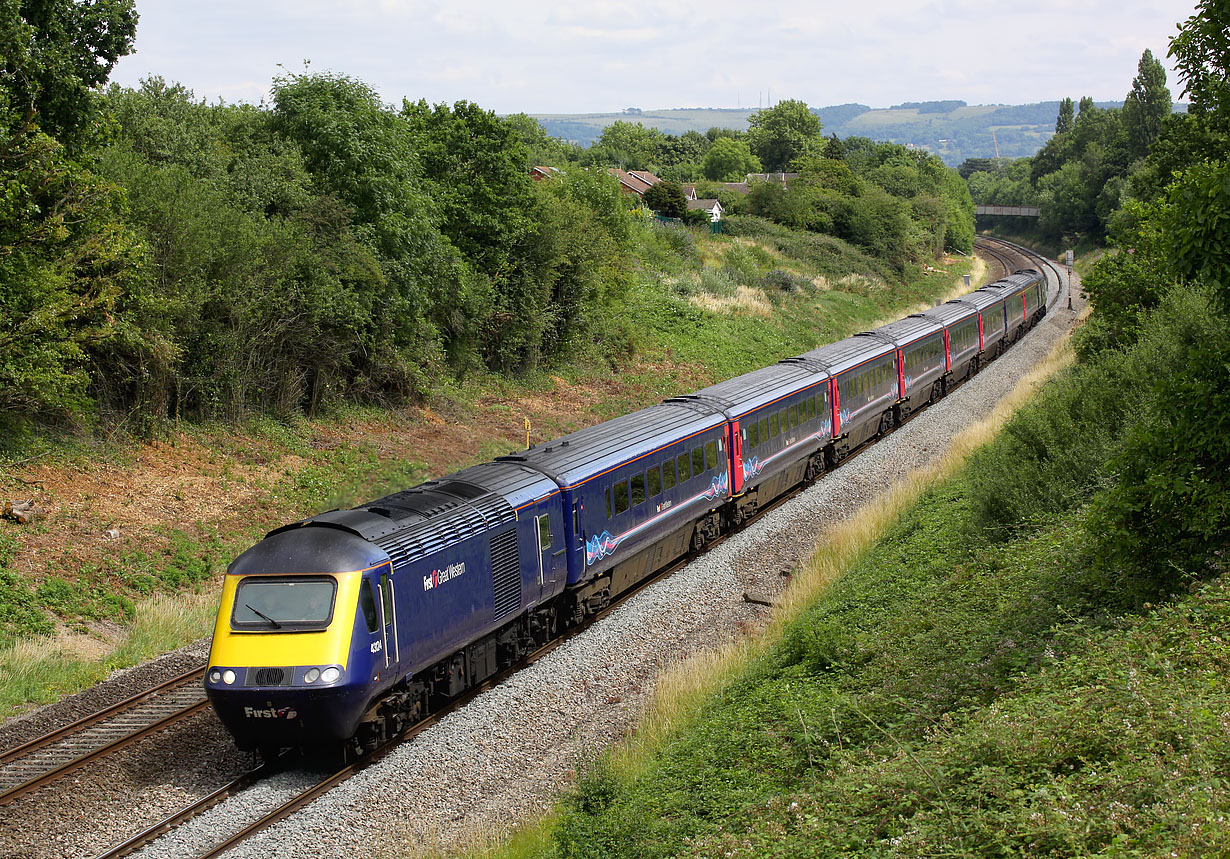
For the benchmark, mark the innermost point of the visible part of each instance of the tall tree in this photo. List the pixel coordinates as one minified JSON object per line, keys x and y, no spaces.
{"x":1201,"y":53}
{"x":784,"y":132}
{"x":1063,"y":123}
{"x":729,"y":160}
{"x":1147,"y":105}
{"x":54,"y":54}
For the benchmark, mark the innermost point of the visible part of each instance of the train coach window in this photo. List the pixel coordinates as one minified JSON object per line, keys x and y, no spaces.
{"x":668,"y":474}
{"x":638,"y":490}
{"x":655,"y":481}
{"x":764,"y":429}
{"x":711,"y":455}
{"x":794,"y":416}
{"x":774,"y":426}
{"x":685,"y":467}
{"x":621,"y":497}
{"x":753,"y":434}
{"x":367,"y":603}
{"x":811,"y":408}
{"x":698,"y":462}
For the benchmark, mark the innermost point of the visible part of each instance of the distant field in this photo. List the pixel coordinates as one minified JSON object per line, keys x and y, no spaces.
{"x":952,"y":133}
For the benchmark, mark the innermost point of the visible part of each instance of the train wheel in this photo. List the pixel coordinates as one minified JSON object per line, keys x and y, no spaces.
{"x":698,"y":540}
{"x":886,"y":423}
{"x":935,"y":392}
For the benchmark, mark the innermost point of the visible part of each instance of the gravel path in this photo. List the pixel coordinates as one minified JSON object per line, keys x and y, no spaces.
{"x":505,"y":757}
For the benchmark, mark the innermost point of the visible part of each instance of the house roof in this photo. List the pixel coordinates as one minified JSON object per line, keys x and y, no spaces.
{"x":707,"y":205}
{"x":737,"y":187}
{"x":542,"y":172}
{"x":633,"y":181}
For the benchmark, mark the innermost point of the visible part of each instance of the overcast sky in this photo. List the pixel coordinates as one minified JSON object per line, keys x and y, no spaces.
{"x":549,"y":56}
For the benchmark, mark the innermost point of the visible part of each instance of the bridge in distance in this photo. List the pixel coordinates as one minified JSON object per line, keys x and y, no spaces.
{"x":1019,"y":211}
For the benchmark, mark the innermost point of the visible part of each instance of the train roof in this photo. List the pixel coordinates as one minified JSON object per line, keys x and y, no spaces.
{"x":1018,"y":280}
{"x":436,"y":514}
{"x":743,"y":394}
{"x":950,"y":313}
{"x":577,"y":457}
{"x":984,"y":297}
{"x":905,"y":331}
{"x":844,"y":354}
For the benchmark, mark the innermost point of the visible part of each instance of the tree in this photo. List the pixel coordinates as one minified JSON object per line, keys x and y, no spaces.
{"x":784,"y":132}
{"x":629,"y":144}
{"x":1201,"y":52}
{"x":666,"y":198}
{"x":1146,"y":106}
{"x":729,"y":160}
{"x":55,"y":54}
{"x":1063,"y":123}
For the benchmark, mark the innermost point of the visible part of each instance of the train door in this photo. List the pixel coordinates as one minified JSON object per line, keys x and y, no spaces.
{"x":550,"y":541}
{"x":388,"y":620}
{"x":736,"y":458}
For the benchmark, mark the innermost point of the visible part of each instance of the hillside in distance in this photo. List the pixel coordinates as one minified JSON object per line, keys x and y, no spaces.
{"x":952,"y":130}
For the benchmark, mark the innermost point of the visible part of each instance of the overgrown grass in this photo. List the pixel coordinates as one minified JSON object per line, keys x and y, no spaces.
{"x":963,"y":687}
{"x":38,"y":670}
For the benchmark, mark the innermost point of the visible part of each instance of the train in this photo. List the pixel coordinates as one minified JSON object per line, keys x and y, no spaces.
{"x":343,"y":628}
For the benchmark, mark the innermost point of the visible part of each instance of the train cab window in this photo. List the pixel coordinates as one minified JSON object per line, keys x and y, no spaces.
{"x":698,"y":462}
{"x":367,"y":604}
{"x":285,"y":604}
{"x":774,"y":426}
{"x":621,"y":497}
{"x":753,"y":434}
{"x":711,"y":455}
{"x":609,"y":511}
{"x":544,"y":532}
{"x":638,"y":489}
{"x":794,"y":416}
{"x":386,"y":588}
{"x":685,"y":467}
{"x":655,"y":480}
{"x":668,"y":474}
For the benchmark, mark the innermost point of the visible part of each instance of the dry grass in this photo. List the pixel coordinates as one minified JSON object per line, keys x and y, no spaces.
{"x":747,"y":300}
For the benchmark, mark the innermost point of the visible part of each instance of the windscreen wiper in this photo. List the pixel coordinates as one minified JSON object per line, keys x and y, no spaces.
{"x":275,"y":624}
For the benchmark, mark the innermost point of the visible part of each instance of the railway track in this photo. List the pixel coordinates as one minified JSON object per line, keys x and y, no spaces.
{"x":30,"y":766}
{"x":42,"y":749}
{"x":283,"y":810}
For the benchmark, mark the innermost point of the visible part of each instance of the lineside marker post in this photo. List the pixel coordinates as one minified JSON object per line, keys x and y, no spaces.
{"x":1068,"y":259}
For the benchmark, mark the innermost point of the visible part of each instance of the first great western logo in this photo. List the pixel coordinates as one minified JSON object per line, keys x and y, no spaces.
{"x":439,"y":577}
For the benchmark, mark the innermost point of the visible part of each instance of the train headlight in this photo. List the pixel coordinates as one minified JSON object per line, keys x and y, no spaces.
{"x":312,"y":675}
{"x":228,"y":677}
{"x":215,"y":676}
{"x":330,"y":675}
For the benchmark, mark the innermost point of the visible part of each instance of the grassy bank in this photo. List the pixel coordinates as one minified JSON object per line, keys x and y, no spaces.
{"x":975,"y":680}
{"x":139,"y":529}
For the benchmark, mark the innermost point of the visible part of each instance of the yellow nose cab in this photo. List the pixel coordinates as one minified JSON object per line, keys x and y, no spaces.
{"x":297,"y":647}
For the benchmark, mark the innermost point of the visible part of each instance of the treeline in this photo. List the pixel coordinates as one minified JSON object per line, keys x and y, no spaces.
{"x":162,"y":258}
{"x":1096,"y":161}
{"x":898,"y":204}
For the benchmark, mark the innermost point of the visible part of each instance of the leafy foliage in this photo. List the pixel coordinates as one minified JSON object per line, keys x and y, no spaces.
{"x":783,"y":132}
